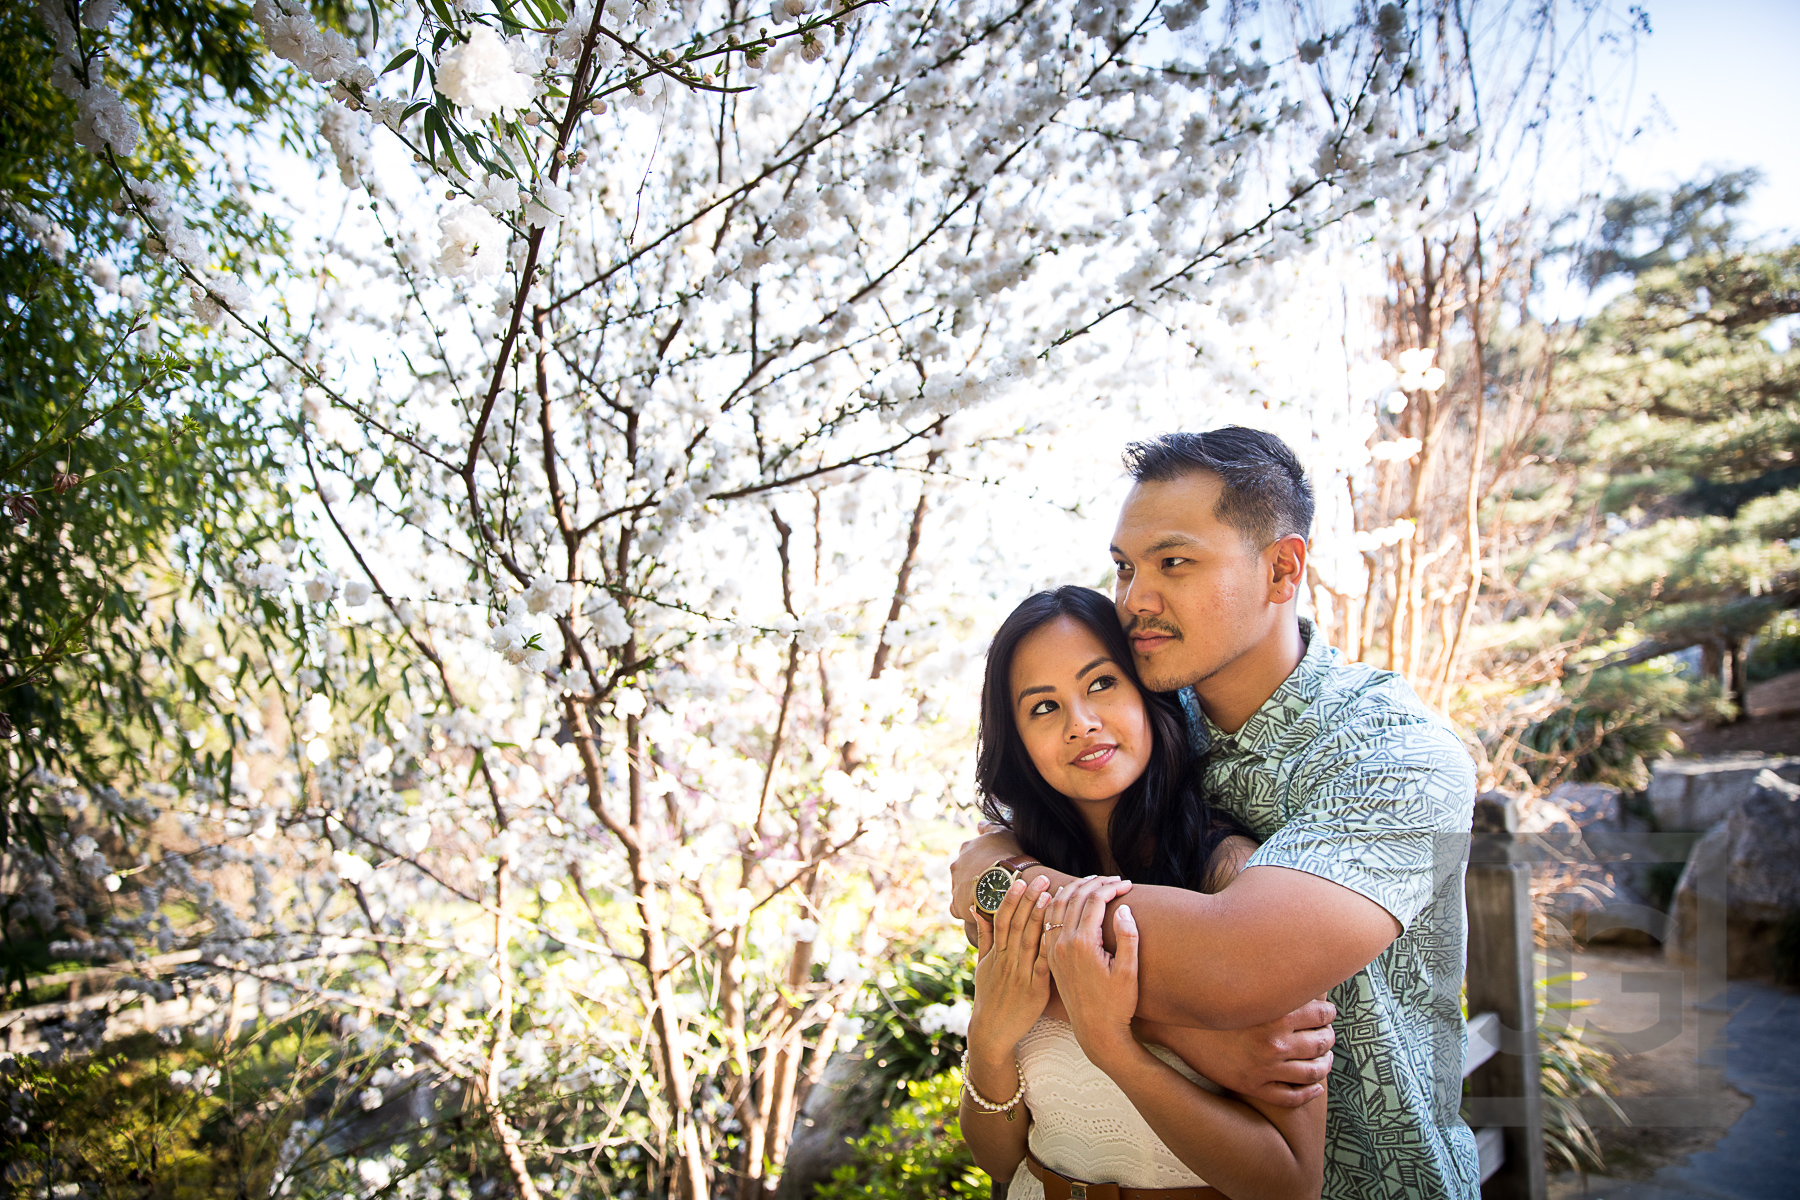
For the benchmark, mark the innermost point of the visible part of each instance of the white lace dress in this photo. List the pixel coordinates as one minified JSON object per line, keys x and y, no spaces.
{"x":1082,"y":1126}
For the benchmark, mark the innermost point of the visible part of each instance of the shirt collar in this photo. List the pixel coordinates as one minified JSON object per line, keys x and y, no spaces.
{"x":1269,"y":724}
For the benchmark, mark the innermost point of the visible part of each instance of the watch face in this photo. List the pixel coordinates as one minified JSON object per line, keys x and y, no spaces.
{"x":990,"y":889}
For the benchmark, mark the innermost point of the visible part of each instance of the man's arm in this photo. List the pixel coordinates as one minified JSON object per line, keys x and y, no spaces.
{"x":1263,"y":947}
{"x":1385,"y":817}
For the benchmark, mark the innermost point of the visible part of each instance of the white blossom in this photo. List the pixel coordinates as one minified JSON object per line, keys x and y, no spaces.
{"x":103,"y":272}
{"x":343,"y":130}
{"x":484,"y":75}
{"x":351,"y":868}
{"x":548,"y":594}
{"x":291,"y":33}
{"x":473,"y":243}
{"x":321,"y":587}
{"x":315,"y":714}
{"x":946,"y":1018}
{"x":608,"y":619}
{"x":498,"y":195}
{"x":547,"y":205}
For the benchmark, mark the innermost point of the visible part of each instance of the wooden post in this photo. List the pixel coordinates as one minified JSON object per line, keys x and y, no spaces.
{"x":1505,"y":1091}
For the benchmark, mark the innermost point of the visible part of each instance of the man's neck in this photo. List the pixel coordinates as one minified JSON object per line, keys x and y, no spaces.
{"x":1231,"y":696}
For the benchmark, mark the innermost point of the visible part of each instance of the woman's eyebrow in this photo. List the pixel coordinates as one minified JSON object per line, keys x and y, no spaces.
{"x":1033,"y":691}
{"x":1102,"y":659}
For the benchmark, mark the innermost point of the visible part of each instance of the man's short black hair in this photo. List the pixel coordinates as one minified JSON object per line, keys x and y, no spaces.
{"x":1266,"y":494}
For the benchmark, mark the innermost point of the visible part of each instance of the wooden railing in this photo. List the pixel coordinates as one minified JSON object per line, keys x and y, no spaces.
{"x":1503,"y":1097}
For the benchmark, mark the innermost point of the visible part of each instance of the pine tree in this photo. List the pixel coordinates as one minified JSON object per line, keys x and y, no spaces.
{"x":1682,"y":467}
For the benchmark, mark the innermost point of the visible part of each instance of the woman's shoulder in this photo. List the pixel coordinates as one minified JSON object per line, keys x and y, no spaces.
{"x":1228,"y":859}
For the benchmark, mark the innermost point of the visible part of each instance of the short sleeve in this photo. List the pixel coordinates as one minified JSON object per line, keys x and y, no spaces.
{"x":1382,"y":810}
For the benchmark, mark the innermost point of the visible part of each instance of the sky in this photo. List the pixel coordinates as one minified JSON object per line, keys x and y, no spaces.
{"x":1713,"y":86}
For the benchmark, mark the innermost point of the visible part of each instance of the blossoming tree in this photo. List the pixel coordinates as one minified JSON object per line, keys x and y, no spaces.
{"x":616,"y":687}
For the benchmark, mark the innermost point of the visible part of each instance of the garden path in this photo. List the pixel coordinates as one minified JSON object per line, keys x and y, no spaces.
{"x":1715,"y":1109}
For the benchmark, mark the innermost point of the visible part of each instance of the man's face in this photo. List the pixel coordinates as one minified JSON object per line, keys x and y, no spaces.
{"x":1192,"y":593}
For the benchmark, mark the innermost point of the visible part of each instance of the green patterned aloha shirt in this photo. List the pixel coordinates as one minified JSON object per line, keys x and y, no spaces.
{"x":1343,"y":773}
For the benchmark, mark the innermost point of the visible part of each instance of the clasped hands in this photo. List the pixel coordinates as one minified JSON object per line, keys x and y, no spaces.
{"x":1284,"y":1062}
{"x":1037,"y":936}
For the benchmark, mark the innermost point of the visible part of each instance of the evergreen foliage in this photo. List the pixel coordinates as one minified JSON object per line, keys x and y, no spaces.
{"x":1679,"y":481}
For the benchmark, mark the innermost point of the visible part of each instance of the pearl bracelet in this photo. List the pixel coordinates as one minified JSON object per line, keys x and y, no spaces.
{"x":982,"y":1102}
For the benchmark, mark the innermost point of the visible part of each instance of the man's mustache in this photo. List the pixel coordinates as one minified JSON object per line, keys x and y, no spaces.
{"x":1151,"y":625}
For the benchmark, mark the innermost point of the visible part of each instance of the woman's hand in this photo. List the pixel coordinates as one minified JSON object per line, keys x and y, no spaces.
{"x":1012,"y":980}
{"x":1100,"y":990}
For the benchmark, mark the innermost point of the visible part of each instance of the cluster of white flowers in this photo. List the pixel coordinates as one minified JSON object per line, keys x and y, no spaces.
{"x":607,"y":620}
{"x":1417,"y":372}
{"x":946,"y":1018}
{"x":519,"y":639}
{"x":548,"y":594}
{"x":47,"y":233}
{"x":343,"y":131}
{"x":104,"y":121}
{"x":252,"y":572}
{"x":488,"y":75}
{"x":324,"y":54}
{"x":1401,"y":530}
{"x":472,"y":243}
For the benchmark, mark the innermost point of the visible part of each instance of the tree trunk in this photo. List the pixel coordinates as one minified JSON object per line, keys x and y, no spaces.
{"x":1712,"y":664}
{"x":1738,"y":685}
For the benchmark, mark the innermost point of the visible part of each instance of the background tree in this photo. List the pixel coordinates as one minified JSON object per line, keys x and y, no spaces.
{"x":1684,"y":397}
{"x":131,"y":457}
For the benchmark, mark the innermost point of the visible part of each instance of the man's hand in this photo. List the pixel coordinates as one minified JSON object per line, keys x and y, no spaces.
{"x":976,"y":855}
{"x":1283,"y":1063}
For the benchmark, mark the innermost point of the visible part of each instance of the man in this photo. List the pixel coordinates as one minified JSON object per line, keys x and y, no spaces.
{"x":1362,"y":799}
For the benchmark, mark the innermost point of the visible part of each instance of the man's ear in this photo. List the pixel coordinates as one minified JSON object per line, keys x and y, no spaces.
{"x":1287,"y":568}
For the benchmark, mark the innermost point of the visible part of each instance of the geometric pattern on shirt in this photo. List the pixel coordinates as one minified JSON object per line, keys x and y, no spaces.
{"x":1345,"y":774}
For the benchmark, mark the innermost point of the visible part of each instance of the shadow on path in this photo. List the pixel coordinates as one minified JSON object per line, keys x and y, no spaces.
{"x":1758,"y":1158}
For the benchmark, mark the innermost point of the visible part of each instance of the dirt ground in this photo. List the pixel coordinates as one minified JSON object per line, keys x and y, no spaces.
{"x":1773,"y":725}
{"x":1680,"y":1104}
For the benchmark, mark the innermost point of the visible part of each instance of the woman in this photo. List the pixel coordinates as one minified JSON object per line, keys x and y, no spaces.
{"x":1093,"y":775}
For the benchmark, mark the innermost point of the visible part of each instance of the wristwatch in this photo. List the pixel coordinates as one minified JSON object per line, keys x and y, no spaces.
{"x":991,"y":888}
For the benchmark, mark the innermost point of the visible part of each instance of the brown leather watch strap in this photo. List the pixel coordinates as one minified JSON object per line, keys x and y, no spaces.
{"x":1061,"y":1187}
{"x":1018,"y":862}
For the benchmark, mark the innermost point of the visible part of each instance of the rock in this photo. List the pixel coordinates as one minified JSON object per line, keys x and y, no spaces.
{"x":1587,"y":804}
{"x":838,"y":1109}
{"x":1744,"y":875}
{"x":1604,"y":900}
{"x":1695,"y":794}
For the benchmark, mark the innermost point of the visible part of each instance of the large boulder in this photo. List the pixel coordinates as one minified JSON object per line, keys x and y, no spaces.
{"x":1748,"y":869}
{"x":1602,"y":897}
{"x":1695,"y":794}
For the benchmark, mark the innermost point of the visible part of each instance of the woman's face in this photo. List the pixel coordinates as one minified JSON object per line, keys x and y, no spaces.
{"x":1081,"y":717}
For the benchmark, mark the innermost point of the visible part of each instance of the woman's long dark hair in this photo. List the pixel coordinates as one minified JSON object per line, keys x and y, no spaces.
{"x":1162,"y":831}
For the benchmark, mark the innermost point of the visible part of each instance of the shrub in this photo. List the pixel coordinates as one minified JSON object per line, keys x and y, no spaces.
{"x":1777,"y":649}
{"x":918,"y":1153}
{"x":1570,"y":1071}
{"x":903,"y":1044}
{"x":1613,"y":721}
